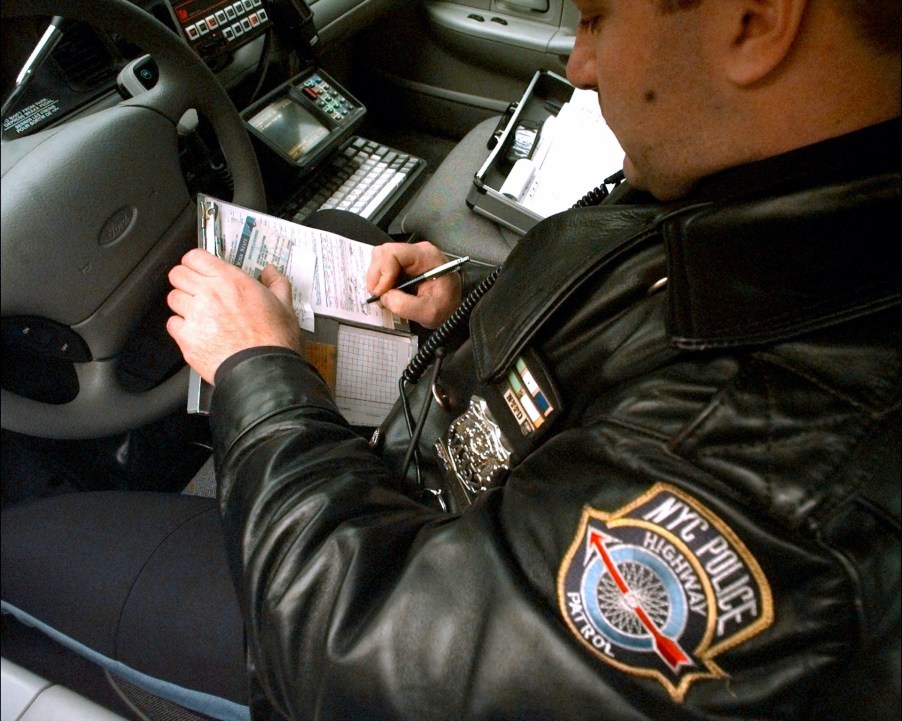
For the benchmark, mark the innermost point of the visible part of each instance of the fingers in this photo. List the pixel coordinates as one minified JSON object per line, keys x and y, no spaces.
{"x":278,"y":284}
{"x":178,"y":301}
{"x":198,"y":265}
{"x":433,"y":302}
{"x":219,"y":310}
{"x":391,"y":260}
{"x":205,"y":263}
{"x":384,"y":269}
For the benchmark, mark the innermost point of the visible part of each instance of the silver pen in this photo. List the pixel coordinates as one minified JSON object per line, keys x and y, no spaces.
{"x":436,"y":272}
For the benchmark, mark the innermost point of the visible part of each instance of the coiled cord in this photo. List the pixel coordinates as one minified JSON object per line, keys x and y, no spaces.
{"x":433,"y":347}
{"x":599,"y":193}
{"x":593,"y":197}
{"x":420,"y":362}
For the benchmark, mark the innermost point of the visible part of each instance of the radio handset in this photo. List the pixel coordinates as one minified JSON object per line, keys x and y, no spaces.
{"x":435,"y":347}
{"x":293,"y":22}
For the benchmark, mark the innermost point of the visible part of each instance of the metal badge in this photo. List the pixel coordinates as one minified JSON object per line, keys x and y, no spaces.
{"x":473,"y":449}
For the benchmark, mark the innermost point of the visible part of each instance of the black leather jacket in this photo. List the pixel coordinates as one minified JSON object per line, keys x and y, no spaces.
{"x":704,"y":525}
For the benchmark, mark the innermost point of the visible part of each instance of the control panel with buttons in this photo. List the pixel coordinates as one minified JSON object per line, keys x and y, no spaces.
{"x":305,"y":119}
{"x":317,"y":90}
{"x":44,"y":338}
{"x":216,"y":27}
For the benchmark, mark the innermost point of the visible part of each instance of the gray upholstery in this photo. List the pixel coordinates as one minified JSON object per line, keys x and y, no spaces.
{"x":28,"y":697}
{"x":439,"y":213}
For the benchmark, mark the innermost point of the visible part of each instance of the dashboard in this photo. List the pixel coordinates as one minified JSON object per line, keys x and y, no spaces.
{"x":85,"y":62}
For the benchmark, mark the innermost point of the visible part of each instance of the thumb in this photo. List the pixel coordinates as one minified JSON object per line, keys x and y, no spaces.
{"x":278,"y":284}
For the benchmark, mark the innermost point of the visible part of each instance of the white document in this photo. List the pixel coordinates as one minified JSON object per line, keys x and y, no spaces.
{"x":327,"y":273}
{"x":576,"y":151}
{"x":369,"y":366}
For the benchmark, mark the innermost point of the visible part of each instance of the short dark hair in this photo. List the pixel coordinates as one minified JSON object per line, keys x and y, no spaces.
{"x":877,"y":21}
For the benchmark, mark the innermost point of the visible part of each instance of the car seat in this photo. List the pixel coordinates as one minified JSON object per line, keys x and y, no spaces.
{"x":439,"y":212}
{"x":28,"y":697}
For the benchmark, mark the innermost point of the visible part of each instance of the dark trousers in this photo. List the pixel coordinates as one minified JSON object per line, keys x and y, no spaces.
{"x":139,"y":581}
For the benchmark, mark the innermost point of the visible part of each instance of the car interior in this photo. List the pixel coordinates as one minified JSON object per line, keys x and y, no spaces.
{"x":117,"y":113}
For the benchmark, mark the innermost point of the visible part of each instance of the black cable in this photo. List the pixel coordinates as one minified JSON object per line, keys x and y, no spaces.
{"x":263,"y":67}
{"x":421,"y":421}
{"x":593,"y":197}
{"x":420,"y":362}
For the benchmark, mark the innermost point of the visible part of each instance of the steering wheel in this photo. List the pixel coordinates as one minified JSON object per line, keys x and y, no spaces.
{"x":96,"y":211}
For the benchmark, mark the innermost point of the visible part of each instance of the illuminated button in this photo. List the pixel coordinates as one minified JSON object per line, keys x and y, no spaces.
{"x":255,"y":21}
{"x":212,"y":22}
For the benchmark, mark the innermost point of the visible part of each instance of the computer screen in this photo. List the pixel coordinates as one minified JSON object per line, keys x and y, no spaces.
{"x":289,"y":127}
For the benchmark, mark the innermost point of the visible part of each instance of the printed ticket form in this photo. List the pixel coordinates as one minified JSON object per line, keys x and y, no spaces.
{"x":327,"y":273}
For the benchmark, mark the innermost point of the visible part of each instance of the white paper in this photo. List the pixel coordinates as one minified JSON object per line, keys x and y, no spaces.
{"x":581,"y":152}
{"x":327,"y":271}
{"x":368,"y":368}
{"x":519,"y":179}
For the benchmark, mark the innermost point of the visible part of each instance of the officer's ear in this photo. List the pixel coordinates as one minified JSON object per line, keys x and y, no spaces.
{"x":757,"y":36}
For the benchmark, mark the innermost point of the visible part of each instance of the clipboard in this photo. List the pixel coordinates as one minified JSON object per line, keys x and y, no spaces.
{"x":328,"y":274}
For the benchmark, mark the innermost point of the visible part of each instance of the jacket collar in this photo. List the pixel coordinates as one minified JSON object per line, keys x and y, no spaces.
{"x":766,"y":270}
{"x":791,"y":255}
{"x":809,"y":244}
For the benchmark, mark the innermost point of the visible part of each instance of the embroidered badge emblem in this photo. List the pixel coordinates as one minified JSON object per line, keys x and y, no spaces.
{"x":661,"y":587}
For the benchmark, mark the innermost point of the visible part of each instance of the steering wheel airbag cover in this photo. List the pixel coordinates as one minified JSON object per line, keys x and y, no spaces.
{"x":95,"y":213}
{"x":134,"y":197}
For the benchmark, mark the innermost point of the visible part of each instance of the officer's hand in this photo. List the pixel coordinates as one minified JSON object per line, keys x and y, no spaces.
{"x":220,"y":310}
{"x":432,"y":301}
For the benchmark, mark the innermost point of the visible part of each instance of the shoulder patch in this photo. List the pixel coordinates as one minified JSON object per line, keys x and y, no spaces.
{"x":661,"y":587}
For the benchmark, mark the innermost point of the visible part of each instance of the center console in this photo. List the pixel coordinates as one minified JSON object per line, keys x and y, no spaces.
{"x":304,"y":128}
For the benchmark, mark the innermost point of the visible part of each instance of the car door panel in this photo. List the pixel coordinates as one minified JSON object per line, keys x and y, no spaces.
{"x":452,"y":64}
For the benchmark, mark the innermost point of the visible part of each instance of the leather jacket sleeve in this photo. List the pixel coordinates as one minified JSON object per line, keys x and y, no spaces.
{"x":361,"y":603}
{"x":714,"y":533}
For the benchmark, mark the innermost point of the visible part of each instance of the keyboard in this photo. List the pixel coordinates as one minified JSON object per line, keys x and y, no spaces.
{"x":362,"y":176}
